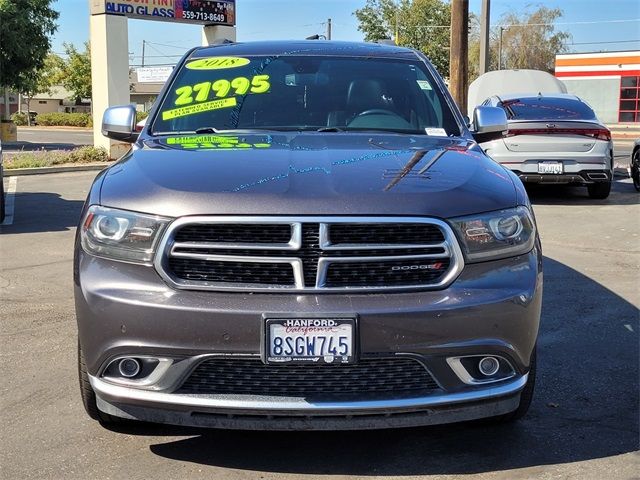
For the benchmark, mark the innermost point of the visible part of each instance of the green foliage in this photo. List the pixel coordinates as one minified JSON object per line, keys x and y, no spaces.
{"x":59,"y":119}
{"x":25,"y":28}
{"x":76,"y":72}
{"x":88,"y":155}
{"x":20,"y":119}
{"x":141,"y":116}
{"x":80,"y":155}
{"x":419,"y":24}
{"x":529,"y":40}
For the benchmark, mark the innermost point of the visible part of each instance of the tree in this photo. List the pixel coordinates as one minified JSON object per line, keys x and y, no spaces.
{"x":25,"y":30}
{"x":76,"y":72}
{"x":529,"y":40}
{"x":419,"y":24}
{"x":41,"y":80}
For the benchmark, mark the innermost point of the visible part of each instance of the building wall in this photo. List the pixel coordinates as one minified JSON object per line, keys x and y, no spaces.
{"x":602,"y":94}
{"x":42,"y":106}
{"x":596,"y":78}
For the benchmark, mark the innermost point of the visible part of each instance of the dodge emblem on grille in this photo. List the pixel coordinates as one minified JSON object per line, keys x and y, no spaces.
{"x":432,"y":266}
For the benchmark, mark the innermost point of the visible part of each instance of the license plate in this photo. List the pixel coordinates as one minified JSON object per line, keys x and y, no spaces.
{"x":550,"y":167}
{"x":310,"y":340}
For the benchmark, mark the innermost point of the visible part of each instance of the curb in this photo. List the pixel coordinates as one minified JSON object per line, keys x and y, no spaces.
{"x":16,"y":172}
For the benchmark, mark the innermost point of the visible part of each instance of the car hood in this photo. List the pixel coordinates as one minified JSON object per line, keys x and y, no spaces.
{"x":307,"y":174}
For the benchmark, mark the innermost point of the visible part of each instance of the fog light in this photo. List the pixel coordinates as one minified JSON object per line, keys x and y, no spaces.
{"x":129,"y":367}
{"x":488,"y":366}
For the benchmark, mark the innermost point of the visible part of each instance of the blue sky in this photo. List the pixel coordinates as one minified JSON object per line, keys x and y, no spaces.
{"x":288,"y":19}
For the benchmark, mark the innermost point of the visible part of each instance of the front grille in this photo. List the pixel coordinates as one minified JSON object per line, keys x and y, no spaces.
{"x":390,"y":233}
{"x":323,"y":254}
{"x":235,"y":233}
{"x":232,"y":272}
{"x":368,"y":378}
{"x":390,"y":272}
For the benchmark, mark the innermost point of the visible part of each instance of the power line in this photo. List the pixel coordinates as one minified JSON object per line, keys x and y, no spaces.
{"x":601,"y":43}
{"x":567,"y":23}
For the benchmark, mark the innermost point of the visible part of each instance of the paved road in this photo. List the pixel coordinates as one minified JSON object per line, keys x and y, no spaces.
{"x":583,"y":423}
{"x":30,"y":138}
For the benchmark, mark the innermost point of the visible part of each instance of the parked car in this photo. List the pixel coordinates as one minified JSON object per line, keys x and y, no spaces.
{"x":635,"y":165}
{"x":306,"y":236}
{"x":554,"y":138}
{"x":512,"y":82}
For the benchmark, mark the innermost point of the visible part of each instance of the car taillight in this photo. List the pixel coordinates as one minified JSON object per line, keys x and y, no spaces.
{"x":595,"y":133}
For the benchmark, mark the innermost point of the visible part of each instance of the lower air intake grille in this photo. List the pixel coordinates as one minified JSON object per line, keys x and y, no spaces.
{"x":366,"y":379}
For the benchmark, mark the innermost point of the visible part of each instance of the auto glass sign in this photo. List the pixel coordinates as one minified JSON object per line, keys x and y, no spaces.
{"x":204,"y":12}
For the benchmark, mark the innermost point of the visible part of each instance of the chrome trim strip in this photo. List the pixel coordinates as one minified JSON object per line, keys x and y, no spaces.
{"x":123,"y":395}
{"x":463,"y":374}
{"x":166,"y":245}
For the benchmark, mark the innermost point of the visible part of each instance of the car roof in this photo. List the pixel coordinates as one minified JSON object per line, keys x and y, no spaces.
{"x":513,"y":96}
{"x":306,"y":47}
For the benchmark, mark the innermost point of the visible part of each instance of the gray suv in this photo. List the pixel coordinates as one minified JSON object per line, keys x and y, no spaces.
{"x":305,"y":235}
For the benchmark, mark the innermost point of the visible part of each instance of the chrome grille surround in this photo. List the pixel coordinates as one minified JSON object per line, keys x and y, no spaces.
{"x":168,"y":248}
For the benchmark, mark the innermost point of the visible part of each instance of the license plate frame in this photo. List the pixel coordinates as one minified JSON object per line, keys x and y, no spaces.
{"x":299,"y":324}
{"x":550,"y":167}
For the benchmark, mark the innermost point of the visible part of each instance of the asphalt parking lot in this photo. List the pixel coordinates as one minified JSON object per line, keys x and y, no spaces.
{"x":584,"y":421}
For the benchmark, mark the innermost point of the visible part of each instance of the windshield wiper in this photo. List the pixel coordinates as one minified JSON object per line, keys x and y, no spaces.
{"x":207,"y":130}
{"x":330,"y":129}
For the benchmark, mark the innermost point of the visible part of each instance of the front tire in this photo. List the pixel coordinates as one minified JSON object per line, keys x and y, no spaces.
{"x":635,"y":170}
{"x":525,"y":396}
{"x":89,"y":396}
{"x":600,"y":190}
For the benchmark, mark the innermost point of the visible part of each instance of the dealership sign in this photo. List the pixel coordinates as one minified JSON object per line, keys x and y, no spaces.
{"x":153,"y":74}
{"x":204,"y":12}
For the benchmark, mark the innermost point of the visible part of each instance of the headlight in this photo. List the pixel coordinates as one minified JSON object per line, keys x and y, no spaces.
{"x":121,"y":235}
{"x":494,"y":235}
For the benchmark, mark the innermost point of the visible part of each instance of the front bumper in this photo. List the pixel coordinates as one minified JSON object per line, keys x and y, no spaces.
{"x":301,"y":414}
{"x":492,"y":308}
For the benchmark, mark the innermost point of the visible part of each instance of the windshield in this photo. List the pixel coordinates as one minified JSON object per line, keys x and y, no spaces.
{"x":304,"y":93}
{"x":547,"y":108}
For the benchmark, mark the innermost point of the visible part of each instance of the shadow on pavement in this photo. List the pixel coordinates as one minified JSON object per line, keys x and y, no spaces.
{"x":622,"y":193}
{"x":585,"y":407}
{"x":43,"y":212}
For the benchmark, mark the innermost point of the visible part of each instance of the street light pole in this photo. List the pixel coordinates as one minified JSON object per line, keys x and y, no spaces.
{"x":329,"y":29}
{"x":502,"y":29}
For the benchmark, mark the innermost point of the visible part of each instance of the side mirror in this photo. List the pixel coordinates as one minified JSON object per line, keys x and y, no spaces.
{"x":489,"y":123}
{"x":119,"y":123}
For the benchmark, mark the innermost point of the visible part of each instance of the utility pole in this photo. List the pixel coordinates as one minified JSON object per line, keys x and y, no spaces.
{"x":458,"y":53}
{"x":329,"y":29}
{"x":485,"y":15}
{"x":143,"y":42}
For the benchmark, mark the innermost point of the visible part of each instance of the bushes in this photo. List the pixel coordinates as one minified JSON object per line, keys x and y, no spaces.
{"x":57,"y":157}
{"x":141,"y":116}
{"x":60,"y":119}
{"x":20,"y":119}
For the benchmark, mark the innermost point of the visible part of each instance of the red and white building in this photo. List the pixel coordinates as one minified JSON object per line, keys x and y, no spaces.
{"x":609,"y":82}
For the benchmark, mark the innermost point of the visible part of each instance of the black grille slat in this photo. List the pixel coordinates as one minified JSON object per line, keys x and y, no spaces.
{"x":232,"y":272}
{"x":389,"y":233}
{"x":380,"y":274}
{"x":234,"y":233}
{"x":368,"y":378}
